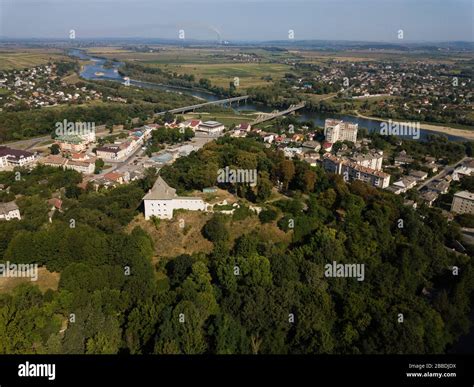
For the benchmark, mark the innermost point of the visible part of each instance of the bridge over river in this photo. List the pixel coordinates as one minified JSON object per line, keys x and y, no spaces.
{"x":270,"y":116}
{"x":200,"y":105}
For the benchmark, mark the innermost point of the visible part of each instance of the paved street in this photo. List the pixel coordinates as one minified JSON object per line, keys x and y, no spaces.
{"x":446,"y":171}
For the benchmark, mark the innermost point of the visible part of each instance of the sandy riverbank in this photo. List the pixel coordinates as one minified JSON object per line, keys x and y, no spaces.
{"x":465,"y":133}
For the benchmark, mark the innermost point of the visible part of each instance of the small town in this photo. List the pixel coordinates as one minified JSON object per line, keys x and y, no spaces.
{"x":192,"y":186}
{"x":341,"y":152}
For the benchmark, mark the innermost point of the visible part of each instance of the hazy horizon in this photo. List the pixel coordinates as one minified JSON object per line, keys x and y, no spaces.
{"x":231,"y":20}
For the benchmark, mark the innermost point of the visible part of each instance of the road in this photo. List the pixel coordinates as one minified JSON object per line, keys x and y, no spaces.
{"x":198,"y":142}
{"x":447,"y":170}
{"x":27,"y":144}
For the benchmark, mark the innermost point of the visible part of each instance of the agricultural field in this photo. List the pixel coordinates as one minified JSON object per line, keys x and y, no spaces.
{"x":19,"y":59}
{"x":218,"y":65}
{"x":321,"y":57}
{"x":249,"y":74}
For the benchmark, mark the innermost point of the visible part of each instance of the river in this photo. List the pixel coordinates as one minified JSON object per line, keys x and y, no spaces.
{"x":97,"y":71}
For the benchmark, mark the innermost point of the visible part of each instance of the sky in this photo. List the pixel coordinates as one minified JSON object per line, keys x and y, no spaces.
{"x":241,"y":20}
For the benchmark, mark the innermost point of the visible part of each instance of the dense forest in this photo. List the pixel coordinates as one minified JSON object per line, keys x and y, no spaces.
{"x":247,"y":295}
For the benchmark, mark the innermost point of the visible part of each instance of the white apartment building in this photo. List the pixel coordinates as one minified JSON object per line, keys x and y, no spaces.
{"x":371,"y":160}
{"x":161,"y":200}
{"x":336,"y":130}
{"x":463,"y":203}
{"x":354,"y":171}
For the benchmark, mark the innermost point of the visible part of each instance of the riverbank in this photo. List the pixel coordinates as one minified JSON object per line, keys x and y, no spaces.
{"x":464,"y":133}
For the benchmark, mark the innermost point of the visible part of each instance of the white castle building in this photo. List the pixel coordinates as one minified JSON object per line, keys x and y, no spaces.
{"x":161,"y":200}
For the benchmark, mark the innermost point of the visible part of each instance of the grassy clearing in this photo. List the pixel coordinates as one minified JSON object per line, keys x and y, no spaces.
{"x":46,"y":280}
{"x":171,"y":240}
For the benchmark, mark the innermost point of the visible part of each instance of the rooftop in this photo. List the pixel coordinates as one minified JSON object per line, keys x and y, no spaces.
{"x":5,"y":208}
{"x":464,"y":195}
{"x":211,"y":123}
{"x":16,"y":153}
{"x":160,"y":190}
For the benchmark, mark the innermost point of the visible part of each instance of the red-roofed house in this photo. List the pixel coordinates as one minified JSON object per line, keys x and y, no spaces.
{"x":245,"y":126}
{"x":327,"y":146}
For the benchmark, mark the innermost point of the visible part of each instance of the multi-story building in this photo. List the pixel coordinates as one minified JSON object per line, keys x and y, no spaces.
{"x":115,"y":152}
{"x":463,"y":203}
{"x":71,"y":143}
{"x":336,"y":130}
{"x":120,"y":150}
{"x":354,"y":171}
{"x":211,"y":127}
{"x":161,"y":200}
{"x":372,"y":160}
{"x":11,"y":158}
{"x":86,"y":166}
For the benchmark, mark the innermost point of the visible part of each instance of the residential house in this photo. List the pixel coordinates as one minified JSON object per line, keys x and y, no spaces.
{"x":311,"y":146}
{"x":268,"y":138}
{"x":418,"y":175}
{"x":429,"y":197}
{"x":117,"y":177}
{"x":9,"y":211}
{"x":245,"y":126}
{"x":405,"y":183}
{"x":327,"y":146}
{"x":192,"y":124}
{"x":439,"y":186}
{"x":291,"y":152}
{"x":403,"y":159}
